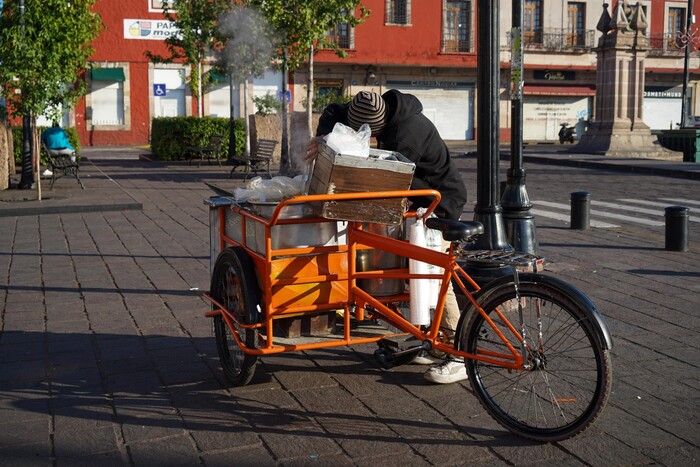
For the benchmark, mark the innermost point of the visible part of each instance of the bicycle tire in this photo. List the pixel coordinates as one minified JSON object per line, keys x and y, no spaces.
{"x":570,"y":382}
{"x":237,"y":292}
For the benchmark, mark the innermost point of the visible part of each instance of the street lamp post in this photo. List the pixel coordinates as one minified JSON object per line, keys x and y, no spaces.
{"x":487,"y":209}
{"x":519,"y":222}
{"x":686,"y":72}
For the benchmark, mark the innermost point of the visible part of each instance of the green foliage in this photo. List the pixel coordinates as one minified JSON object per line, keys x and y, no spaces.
{"x":321,"y":101}
{"x":196,"y":21}
{"x":17,"y":138}
{"x":266,"y":105}
{"x":43,"y":52}
{"x":304,"y":23}
{"x":171,"y":136}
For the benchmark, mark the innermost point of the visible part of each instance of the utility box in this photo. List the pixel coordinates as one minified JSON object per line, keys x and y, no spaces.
{"x":382,"y":171}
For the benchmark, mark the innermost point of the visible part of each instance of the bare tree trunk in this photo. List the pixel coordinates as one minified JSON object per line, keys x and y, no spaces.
{"x":310,"y":92}
{"x":245,"y":116}
{"x":285,"y":166}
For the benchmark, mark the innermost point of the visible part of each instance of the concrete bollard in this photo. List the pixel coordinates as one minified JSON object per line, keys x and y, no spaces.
{"x":677,"y":228}
{"x":580,"y":210}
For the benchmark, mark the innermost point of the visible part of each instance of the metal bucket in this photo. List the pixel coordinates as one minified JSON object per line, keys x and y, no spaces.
{"x":368,"y":260}
{"x":291,"y":235}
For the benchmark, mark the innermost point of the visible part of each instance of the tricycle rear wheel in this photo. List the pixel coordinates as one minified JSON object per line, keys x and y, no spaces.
{"x":237,"y":292}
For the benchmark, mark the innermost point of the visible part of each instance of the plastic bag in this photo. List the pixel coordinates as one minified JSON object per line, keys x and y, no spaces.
{"x":424,"y":292}
{"x":276,"y":189}
{"x":346,"y":141}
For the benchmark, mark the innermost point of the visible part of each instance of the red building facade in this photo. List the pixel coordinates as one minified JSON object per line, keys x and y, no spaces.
{"x":427,"y":48}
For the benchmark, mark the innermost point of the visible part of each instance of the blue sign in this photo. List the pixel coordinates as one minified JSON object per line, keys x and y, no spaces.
{"x":159,"y":90}
{"x":288,"y":95}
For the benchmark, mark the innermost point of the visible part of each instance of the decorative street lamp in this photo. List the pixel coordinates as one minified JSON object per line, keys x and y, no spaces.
{"x":686,"y":41}
{"x":487,"y":209}
{"x":519,"y":222}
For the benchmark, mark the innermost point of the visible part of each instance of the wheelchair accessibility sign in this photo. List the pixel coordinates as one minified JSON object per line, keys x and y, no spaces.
{"x":159,"y":90}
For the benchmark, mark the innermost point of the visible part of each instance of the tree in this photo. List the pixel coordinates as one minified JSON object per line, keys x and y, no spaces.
{"x":197,"y":38}
{"x":44,"y":48}
{"x":303,"y":24}
{"x":247,"y":52}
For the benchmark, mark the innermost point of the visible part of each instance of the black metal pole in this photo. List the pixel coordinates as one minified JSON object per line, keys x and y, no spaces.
{"x":487,"y":209}
{"x":518,"y":220}
{"x":686,"y":61}
{"x":26,"y":182}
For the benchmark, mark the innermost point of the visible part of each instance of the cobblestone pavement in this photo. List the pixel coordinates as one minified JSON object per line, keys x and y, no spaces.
{"x":106,"y":357}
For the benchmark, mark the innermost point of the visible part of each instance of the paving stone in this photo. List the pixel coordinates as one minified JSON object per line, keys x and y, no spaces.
{"x":166,"y":452}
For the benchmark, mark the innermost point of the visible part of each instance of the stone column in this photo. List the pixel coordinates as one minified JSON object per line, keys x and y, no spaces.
{"x":618,"y":129}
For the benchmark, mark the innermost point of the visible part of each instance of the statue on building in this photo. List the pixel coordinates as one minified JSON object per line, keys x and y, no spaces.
{"x":618,"y":129}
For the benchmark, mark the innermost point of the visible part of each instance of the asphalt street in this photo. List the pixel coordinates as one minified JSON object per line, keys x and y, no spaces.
{"x":106,"y":357}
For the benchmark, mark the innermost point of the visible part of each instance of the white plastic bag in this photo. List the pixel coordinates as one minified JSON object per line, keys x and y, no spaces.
{"x":424,"y":292}
{"x":346,"y":141}
{"x":276,"y":189}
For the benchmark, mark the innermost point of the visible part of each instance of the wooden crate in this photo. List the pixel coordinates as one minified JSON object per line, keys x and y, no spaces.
{"x":339,"y":173}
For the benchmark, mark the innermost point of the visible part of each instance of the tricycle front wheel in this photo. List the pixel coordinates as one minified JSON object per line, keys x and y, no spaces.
{"x":568,"y":379}
{"x":236,"y":290}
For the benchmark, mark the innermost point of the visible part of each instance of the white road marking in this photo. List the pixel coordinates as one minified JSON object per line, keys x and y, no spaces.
{"x":661,"y":205}
{"x":604,"y":214}
{"x":567,"y":218}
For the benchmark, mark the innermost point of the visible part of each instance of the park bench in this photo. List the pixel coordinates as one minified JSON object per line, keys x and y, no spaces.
{"x":62,"y":164}
{"x":256,"y":163}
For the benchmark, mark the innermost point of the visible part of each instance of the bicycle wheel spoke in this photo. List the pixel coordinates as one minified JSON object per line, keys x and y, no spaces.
{"x":560,"y":392}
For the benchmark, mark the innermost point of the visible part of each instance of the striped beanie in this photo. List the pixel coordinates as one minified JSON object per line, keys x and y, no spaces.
{"x":367,"y":107}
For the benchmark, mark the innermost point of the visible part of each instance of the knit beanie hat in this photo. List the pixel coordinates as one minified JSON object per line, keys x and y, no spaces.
{"x":367,"y":107}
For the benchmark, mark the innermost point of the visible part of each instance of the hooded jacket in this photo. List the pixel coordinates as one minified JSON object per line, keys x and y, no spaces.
{"x":411,"y":134}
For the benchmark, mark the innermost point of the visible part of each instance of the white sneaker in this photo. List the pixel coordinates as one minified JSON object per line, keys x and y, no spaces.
{"x":449,"y":371}
{"x":421,"y":359}
{"x":47,"y":173}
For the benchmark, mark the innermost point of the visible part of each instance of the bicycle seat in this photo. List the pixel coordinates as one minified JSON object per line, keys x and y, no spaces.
{"x":453,"y":230}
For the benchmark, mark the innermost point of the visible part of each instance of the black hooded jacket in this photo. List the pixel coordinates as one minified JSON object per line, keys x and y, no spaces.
{"x":411,"y":134}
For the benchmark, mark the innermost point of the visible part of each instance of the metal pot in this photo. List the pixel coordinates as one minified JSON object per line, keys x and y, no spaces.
{"x":368,"y":260}
{"x":292,"y":235}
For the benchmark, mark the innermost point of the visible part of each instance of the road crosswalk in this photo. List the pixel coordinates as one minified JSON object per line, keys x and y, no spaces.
{"x":603,"y":214}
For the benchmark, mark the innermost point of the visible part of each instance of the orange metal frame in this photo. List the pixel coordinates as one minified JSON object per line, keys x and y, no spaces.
{"x":326,"y":279}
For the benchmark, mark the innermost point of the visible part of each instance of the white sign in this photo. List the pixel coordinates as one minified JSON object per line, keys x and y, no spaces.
{"x":149,"y":29}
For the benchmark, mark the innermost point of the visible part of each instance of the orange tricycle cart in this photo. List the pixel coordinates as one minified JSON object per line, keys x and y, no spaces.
{"x":286,"y":277}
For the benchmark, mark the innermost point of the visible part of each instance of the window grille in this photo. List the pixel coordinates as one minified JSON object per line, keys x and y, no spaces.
{"x":398,"y":11}
{"x":457,"y":26}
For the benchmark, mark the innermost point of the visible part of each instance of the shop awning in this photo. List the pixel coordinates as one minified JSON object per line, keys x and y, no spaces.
{"x":218,"y":77}
{"x":108,"y":74}
{"x":559,"y":89}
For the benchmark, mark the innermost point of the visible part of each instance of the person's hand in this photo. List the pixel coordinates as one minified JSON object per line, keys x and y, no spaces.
{"x":312,"y":149}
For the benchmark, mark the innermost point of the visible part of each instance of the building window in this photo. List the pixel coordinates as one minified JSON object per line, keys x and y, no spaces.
{"x":532,"y":22}
{"x":398,"y":11}
{"x":106,"y":98}
{"x":342,"y":36}
{"x":576,"y":24}
{"x":456,"y":28}
{"x":327,"y":91}
{"x":675,"y":25}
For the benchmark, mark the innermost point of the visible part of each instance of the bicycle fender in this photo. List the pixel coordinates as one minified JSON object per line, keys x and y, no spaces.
{"x":601,"y":328}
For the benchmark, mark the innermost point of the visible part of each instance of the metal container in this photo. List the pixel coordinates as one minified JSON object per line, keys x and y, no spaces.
{"x":286,"y":235}
{"x":369,"y":260}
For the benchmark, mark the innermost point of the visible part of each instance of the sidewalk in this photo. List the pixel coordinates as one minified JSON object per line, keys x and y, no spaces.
{"x":106,"y":357}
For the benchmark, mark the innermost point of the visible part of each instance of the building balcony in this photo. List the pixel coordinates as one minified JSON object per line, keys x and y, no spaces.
{"x":560,"y":40}
{"x":661,"y":44}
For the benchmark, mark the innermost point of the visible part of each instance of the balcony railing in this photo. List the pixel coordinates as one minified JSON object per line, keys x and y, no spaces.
{"x":457,"y":45}
{"x":557,"y":39}
{"x":665,"y":44}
